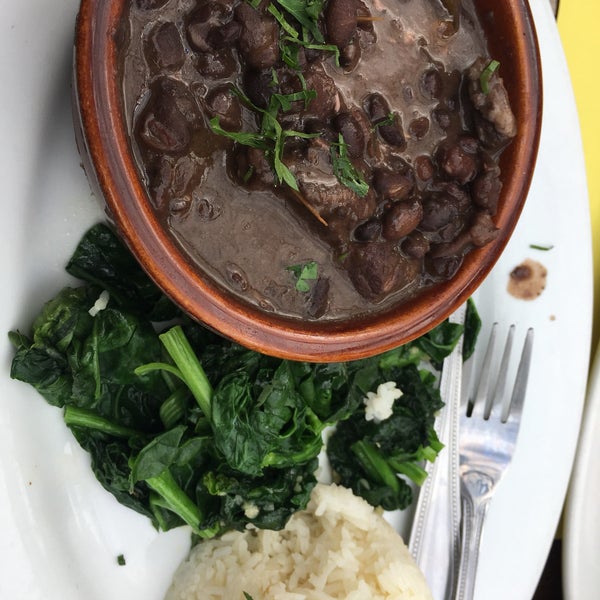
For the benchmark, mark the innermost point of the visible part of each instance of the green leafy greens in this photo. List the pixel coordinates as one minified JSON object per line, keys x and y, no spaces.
{"x":186,"y":427}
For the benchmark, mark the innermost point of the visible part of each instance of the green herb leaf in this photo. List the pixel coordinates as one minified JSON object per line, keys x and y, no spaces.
{"x":345,"y":171}
{"x":252,"y":139}
{"x":388,"y":120}
{"x":282,"y":22}
{"x":540,"y":247}
{"x":312,"y":46}
{"x":486,"y":74}
{"x":271,"y":137}
{"x":306,"y":13}
{"x":304,"y":273}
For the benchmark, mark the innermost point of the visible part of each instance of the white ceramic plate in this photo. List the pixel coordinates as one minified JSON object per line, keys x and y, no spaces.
{"x":581,"y":540}
{"x":61,"y":532}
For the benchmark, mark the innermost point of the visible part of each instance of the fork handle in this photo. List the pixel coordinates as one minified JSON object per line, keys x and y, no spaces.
{"x":475,"y":502}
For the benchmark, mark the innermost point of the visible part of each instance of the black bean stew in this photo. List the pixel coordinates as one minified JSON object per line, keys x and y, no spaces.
{"x":319,"y":159}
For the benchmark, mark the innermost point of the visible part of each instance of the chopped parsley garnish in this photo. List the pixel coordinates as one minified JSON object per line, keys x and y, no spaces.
{"x":271,"y":137}
{"x":304,"y":273}
{"x":344,"y":170}
{"x":388,"y":120}
{"x":540,"y":247}
{"x":306,"y":13}
{"x":299,"y":22}
{"x":121,"y":560}
{"x":486,"y":74}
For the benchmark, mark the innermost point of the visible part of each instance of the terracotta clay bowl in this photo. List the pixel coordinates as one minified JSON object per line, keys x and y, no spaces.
{"x":106,"y":152}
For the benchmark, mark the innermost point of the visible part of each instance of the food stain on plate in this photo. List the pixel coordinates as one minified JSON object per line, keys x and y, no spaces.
{"x":527,"y":280}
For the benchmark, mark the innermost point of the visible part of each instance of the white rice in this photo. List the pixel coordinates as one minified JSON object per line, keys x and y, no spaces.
{"x":339,"y":547}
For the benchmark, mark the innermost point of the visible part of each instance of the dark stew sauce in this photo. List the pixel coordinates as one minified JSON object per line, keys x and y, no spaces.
{"x":319,"y":164}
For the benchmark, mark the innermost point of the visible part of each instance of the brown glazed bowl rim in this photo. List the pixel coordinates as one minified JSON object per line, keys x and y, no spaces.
{"x":105,"y":151}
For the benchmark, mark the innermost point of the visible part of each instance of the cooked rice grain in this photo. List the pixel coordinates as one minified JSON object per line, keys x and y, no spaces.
{"x":339,"y":547}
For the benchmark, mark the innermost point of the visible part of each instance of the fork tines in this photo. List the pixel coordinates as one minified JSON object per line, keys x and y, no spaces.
{"x":487,"y":398}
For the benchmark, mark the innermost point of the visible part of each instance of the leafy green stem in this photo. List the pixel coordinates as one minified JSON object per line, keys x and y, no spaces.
{"x":177,"y":500}
{"x":179,"y":349}
{"x":158,"y":366}
{"x":375,"y":464}
{"x":173,"y":408}
{"x":83,"y":417}
{"x":412,"y":470}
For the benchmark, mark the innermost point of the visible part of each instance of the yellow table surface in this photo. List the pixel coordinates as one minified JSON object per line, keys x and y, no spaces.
{"x":578,"y":26}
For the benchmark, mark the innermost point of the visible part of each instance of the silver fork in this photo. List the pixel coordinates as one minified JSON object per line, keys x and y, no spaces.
{"x":488,"y":431}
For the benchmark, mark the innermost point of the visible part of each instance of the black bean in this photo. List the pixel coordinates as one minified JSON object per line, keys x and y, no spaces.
{"x":204,"y":20}
{"x":438,"y":212}
{"x":347,"y":124}
{"x":163,"y":48}
{"x":350,"y":54}
{"x":341,"y":21}
{"x":165,"y":129}
{"x":259,"y":37}
{"x":258,"y":85}
{"x":368,"y":231}
{"x":457,"y":195}
{"x":418,"y":128}
{"x":217,"y":64}
{"x":401,"y":219}
{"x":424,"y":168}
{"x":416,"y":245}
{"x":171,"y":90}
{"x":458,"y":162}
{"x":391,"y":185}
{"x":224,"y":36}
{"x":431,"y":84}
{"x":169,"y":116}
{"x":377,"y":107}
{"x":444,"y":268}
{"x":323,"y":128}
{"x":393,"y":133}
{"x":223,"y":103}
{"x":197,"y":36}
{"x":389,"y":125}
